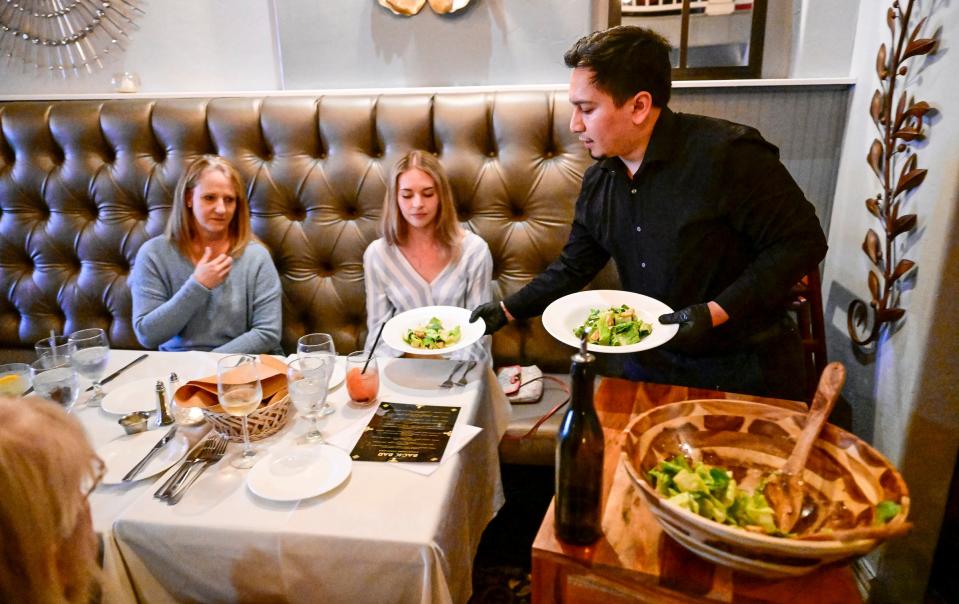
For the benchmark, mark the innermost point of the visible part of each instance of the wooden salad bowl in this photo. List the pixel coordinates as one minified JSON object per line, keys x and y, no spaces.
{"x":845,"y":478}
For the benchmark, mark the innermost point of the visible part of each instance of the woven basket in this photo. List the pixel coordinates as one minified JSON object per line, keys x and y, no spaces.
{"x":263,"y":422}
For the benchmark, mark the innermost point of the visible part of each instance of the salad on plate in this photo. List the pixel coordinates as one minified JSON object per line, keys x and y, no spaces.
{"x":432,"y":336}
{"x":615,"y":326}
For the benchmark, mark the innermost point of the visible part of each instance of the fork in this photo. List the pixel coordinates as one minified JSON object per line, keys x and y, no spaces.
{"x":209,"y":456}
{"x":462,"y":380}
{"x":449,"y":381}
{"x":192,"y":458}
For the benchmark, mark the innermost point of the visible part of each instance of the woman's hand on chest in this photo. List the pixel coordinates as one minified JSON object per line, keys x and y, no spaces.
{"x":211,"y":271}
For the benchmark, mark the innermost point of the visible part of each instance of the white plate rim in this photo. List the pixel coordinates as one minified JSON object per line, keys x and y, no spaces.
{"x":556,"y":318}
{"x":115,"y":476}
{"x":470,"y":332}
{"x":342,"y":468}
{"x":148,"y":384}
{"x":339,"y":373}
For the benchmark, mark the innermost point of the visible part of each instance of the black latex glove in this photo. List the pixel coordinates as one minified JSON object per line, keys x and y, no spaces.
{"x":694,"y":321}
{"x":492,"y":313}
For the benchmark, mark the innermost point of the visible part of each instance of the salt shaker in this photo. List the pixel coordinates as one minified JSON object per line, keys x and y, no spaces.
{"x":163,"y":413}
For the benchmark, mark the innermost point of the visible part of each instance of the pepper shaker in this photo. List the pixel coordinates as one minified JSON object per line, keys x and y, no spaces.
{"x":163,"y":413}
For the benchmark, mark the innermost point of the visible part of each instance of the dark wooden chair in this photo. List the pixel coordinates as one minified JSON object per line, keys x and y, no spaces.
{"x":806,"y":303}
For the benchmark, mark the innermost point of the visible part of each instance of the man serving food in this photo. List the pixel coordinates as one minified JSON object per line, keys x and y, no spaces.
{"x":696,"y":212}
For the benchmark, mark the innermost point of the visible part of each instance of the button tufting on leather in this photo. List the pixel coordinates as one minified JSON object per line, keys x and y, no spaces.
{"x":318,"y":158}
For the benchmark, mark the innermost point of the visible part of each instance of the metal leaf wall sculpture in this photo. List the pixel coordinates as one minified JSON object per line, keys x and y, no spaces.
{"x":899,"y":124}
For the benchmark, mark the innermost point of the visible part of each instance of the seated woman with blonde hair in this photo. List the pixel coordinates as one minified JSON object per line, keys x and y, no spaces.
{"x":425,"y":258}
{"x":47,"y":470}
{"x":207,"y":283}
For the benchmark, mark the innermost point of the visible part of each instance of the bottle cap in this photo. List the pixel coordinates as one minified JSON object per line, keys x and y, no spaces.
{"x":583,"y":355}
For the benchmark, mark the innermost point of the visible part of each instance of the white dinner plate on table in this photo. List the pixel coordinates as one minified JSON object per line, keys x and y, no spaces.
{"x":563,"y":316}
{"x":121,"y":454}
{"x":135,"y":396}
{"x":299,"y":471}
{"x":339,"y":373}
{"x":451,"y":316}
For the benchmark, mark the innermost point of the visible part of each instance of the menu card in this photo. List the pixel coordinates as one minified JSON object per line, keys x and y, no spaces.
{"x":402,"y":432}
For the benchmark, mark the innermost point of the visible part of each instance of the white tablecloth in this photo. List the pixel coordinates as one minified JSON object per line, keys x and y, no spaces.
{"x":385,"y":535}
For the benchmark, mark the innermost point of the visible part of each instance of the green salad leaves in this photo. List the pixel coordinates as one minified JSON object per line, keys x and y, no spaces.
{"x":712,"y":493}
{"x":617,"y":326}
{"x":432,"y":336}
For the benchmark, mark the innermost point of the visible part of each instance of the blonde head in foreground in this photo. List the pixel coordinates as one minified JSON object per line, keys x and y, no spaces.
{"x":47,"y":470}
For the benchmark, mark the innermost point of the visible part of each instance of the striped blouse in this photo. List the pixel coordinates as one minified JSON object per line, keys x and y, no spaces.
{"x":393,"y":286}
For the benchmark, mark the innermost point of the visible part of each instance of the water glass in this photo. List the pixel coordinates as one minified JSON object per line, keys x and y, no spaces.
{"x":90,"y":358}
{"x":240,"y":393}
{"x":57,"y":346}
{"x":319,"y":345}
{"x":308,"y":386}
{"x":55,"y":378}
{"x":362,"y":378}
{"x":14,"y":379}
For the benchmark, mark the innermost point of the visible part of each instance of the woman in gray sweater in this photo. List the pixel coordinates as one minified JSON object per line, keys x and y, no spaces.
{"x":207,"y":284}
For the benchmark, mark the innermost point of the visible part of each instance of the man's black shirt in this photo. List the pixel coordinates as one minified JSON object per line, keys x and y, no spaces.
{"x":711,"y":214}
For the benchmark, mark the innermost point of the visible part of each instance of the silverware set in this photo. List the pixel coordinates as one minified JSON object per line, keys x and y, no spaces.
{"x":449,"y":383}
{"x":204,"y":455}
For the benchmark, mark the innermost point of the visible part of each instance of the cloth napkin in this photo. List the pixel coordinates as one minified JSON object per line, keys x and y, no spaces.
{"x":202,"y":392}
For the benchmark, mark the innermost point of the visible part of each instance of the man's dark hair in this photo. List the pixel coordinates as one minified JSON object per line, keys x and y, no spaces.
{"x":625,"y":60}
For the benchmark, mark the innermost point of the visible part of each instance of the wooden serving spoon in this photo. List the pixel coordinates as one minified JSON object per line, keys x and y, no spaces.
{"x":785,"y":488}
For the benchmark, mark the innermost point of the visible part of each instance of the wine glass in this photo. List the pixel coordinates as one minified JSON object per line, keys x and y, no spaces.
{"x":308,"y":385}
{"x":55,"y":379}
{"x":319,"y":345}
{"x":90,"y":358}
{"x":240,"y":393}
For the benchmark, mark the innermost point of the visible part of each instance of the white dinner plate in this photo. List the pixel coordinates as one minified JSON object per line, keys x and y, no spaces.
{"x":339,"y":373}
{"x":563,"y":316}
{"x":135,"y":396}
{"x":451,"y":316}
{"x":299,"y":471}
{"x":121,"y":454}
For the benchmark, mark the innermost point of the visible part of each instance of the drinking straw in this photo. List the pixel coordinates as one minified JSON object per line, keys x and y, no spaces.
{"x":53,"y":345}
{"x":375,"y":342}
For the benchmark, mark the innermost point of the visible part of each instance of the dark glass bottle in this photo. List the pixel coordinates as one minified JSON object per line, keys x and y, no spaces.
{"x":579,"y":459}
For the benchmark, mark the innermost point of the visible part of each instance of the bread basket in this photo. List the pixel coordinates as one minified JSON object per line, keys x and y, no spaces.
{"x":263,"y":422}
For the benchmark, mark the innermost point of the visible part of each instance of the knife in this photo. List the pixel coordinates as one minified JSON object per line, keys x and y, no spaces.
{"x":119,"y":371}
{"x":143,"y":462}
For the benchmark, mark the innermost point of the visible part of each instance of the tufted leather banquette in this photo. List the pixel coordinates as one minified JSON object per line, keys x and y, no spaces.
{"x":83,"y":184}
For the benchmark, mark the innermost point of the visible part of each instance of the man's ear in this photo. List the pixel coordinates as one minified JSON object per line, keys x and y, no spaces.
{"x":640,"y":106}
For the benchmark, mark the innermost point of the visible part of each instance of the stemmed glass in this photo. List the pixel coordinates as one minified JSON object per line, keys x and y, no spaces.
{"x":319,"y":345}
{"x":240,"y":393}
{"x":55,"y":379}
{"x":308,"y":385}
{"x":90,"y":358}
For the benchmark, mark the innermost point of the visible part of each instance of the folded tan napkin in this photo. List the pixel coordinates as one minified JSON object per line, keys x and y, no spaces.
{"x":203,"y":393}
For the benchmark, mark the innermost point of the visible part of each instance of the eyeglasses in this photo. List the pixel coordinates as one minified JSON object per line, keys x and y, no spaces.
{"x":98,"y":474}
